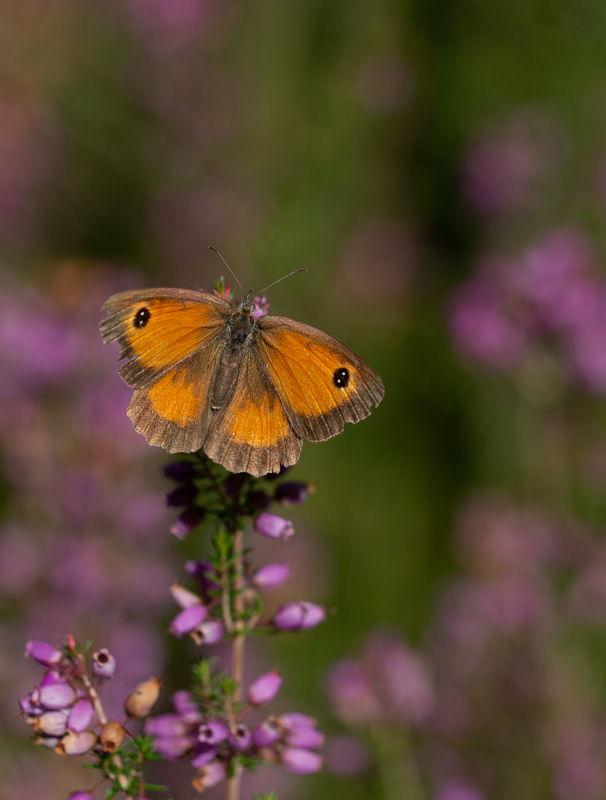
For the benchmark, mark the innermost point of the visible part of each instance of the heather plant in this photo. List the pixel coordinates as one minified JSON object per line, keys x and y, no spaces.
{"x":209,"y":726}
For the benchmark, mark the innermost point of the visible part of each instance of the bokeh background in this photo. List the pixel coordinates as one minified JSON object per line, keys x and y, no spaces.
{"x":439,"y":169}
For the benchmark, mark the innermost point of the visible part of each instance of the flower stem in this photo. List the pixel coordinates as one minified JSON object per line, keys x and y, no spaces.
{"x":237,"y":664}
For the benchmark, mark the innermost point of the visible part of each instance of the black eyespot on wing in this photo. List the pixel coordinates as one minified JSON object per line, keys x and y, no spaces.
{"x":141,"y":318}
{"x":340,"y":378}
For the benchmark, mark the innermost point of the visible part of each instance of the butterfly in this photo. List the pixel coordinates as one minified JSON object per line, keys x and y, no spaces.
{"x":247,"y":391}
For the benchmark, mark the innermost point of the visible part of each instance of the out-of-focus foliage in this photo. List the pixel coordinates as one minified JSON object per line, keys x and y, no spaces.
{"x":440,"y":170}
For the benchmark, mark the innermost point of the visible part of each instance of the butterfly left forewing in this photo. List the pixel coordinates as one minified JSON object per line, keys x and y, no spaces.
{"x":321,"y":382}
{"x":172,"y":341}
{"x":158,"y":328}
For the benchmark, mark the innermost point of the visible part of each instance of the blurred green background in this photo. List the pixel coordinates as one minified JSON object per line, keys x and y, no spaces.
{"x":339,"y":137}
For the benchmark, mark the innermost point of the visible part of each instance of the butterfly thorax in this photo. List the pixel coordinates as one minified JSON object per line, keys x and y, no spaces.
{"x":240,"y":329}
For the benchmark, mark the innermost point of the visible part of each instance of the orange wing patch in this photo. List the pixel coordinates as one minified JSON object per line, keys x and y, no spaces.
{"x":174,"y":398}
{"x":160,"y":328}
{"x":252,"y":432}
{"x":320,"y":381}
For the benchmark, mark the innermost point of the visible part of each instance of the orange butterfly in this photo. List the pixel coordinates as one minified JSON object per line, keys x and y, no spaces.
{"x":247,"y":391}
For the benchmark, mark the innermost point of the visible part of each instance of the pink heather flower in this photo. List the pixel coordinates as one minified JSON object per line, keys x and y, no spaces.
{"x":267,"y":733}
{"x":187,"y":620}
{"x":80,"y":796}
{"x":482,"y":330}
{"x":352,"y":694}
{"x":80,"y":715}
{"x":204,"y":756}
{"x":241,"y":738}
{"x":212,"y":733}
{"x":264,"y":689}
{"x":173,"y":747}
{"x":209,"y":632}
{"x":165,"y":726}
{"x":56,"y":696}
{"x":273,"y":526}
{"x":184,"y":597}
{"x":187,"y":521}
{"x":402,"y":675}
{"x":186,"y":707}
{"x":459,"y":791}
{"x":76,"y":744}
{"x":183,"y":495}
{"x":261,"y":307}
{"x":104,"y":664}
{"x":270,"y":576}
{"x":43,"y":653}
{"x":210,"y":775}
{"x":305,"y":737}
{"x":291,"y":493}
{"x":294,"y":720}
{"x":298,"y":616}
{"x":28,"y":707}
{"x":346,"y":755}
{"x":300,"y":761}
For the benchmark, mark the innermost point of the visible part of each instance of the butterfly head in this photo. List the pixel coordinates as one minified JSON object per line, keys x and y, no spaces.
{"x":247,"y":305}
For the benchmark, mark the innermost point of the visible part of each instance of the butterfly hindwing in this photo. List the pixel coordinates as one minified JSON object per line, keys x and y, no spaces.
{"x":322,"y":383}
{"x":252,"y":432}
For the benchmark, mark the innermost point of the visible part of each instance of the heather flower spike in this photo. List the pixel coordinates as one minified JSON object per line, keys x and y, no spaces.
{"x":220,"y":599}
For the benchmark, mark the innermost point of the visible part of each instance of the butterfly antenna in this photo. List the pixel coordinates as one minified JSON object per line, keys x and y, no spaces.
{"x":282,"y":279}
{"x":210,"y":247}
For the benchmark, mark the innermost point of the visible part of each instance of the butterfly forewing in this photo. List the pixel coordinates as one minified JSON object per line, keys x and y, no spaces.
{"x":160,"y":328}
{"x":321,"y":382}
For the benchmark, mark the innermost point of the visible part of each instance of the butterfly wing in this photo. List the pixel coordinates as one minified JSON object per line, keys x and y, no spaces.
{"x":252,"y":433}
{"x":172,"y":340}
{"x":322,"y":383}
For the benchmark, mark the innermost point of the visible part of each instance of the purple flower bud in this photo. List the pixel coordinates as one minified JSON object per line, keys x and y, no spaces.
{"x":56,"y":696}
{"x":258,"y":500}
{"x":80,"y":715}
{"x":300,"y":761}
{"x":187,"y":620}
{"x":80,"y":796}
{"x":298,"y":616}
{"x":173,"y":747}
{"x":273,"y":526}
{"x":212,"y":733}
{"x":209,"y":632}
{"x":186,"y":707}
{"x":294,"y":720}
{"x":233,"y":485}
{"x":267,"y":733}
{"x":203,"y":756}
{"x":76,"y":744}
{"x":51,"y":723}
{"x":187,"y":521}
{"x":241,"y":738}
{"x":51,"y":678}
{"x":264,"y":689}
{"x":210,"y":775}
{"x":305,"y":737}
{"x":28,"y":706}
{"x":43,"y":653}
{"x":203,"y":572}
{"x":183,"y":495}
{"x":165,"y":726}
{"x":180,"y":471}
{"x":270,"y":576}
{"x":184,"y":597}
{"x":292,"y":493}
{"x":104,"y":664}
